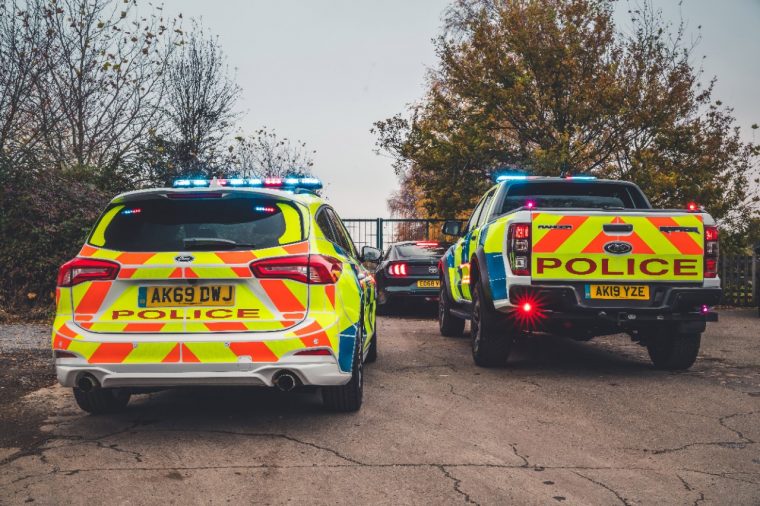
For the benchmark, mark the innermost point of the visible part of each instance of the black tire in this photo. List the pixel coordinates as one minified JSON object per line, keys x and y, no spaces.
{"x":674,"y":352}
{"x":348,"y":398}
{"x":372,"y":351}
{"x":448,"y":324}
{"x":386,"y":305}
{"x":101,"y":401}
{"x":490,"y":335}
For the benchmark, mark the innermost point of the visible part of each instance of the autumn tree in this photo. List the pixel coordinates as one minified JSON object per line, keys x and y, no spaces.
{"x":198,"y":110}
{"x":80,"y":89}
{"x":24,"y":40}
{"x":265,"y":153}
{"x":101,"y":90}
{"x":554,"y":86}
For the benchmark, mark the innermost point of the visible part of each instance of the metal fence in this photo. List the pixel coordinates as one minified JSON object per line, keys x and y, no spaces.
{"x":380,"y":232}
{"x":738,"y":276}
{"x":738,"y":273}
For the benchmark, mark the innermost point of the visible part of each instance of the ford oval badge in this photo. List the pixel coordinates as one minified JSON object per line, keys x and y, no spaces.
{"x":618,"y":247}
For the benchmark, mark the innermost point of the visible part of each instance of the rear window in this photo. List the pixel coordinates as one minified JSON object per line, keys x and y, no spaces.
{"x":198,"y":224}
{"x":421,"y":249}
{"x":574,"y":195}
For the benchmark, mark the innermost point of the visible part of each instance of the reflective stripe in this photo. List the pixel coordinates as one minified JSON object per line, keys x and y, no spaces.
{"x":292,"y":224}
{"x":98,"y":238}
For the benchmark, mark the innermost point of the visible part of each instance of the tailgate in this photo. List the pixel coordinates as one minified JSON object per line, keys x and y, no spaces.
{"x":636,"y":246}
{"x":189,"y":292}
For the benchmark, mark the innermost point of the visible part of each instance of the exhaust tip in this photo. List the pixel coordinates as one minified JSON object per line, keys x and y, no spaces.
{"x":87,"y":383}
{"x":285,"y":381}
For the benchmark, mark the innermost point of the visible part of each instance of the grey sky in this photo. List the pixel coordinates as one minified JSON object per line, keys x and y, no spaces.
{"x":324,"y":71}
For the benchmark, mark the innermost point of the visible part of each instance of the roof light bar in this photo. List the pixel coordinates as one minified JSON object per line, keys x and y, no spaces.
{"x":579,"y":177}
{"x":511,"y":177}
{"x":288,"y":183}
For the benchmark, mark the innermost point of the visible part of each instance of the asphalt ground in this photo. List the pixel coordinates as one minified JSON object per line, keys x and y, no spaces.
{"x":564,"y":422}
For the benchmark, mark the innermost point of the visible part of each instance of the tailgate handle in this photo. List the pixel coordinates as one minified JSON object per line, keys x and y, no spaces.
{"x":617,"y":228}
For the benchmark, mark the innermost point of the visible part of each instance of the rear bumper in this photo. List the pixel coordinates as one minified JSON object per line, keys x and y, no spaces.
{"x":411,"y":291}
{"x":309,"y":371}
{"x":556,"y":302}
{"x":219,"y":358}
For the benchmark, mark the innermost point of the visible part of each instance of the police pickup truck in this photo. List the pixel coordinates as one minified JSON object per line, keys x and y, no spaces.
{"x":580,"y":257}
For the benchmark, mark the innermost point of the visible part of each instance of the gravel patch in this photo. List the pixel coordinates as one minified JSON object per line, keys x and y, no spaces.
{"x":24,"y":336}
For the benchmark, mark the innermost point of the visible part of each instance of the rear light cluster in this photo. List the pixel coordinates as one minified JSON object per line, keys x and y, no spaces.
{"x":398,"y":269}
{"x":712,"y":250}
{"x":312,"y":269}
{"x":80,"y":270}
{"x":518,"y":248}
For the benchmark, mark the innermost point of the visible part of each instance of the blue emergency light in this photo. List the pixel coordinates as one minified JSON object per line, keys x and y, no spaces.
{"x":510,"y":177}
{"x":288,"y":183}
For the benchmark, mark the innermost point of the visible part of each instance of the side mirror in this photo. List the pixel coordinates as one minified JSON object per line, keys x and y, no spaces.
{"x":452,"y":227}
{"x":370,"y":254}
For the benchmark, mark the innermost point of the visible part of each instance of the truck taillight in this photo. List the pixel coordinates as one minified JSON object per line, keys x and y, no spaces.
{"x":712,"y":251}
{"x":80,"y":270}
{"x":518,"y":248}
{"x":312,"y":269}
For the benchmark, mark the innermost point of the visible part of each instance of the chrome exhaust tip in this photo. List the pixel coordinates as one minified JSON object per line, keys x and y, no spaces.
{"x":285,"y":381}
{"x":87,"y":383}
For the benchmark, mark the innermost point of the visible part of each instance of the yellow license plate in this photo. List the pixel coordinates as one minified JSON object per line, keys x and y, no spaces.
{"x":627,"y":292}
{"x":428,"y":283}
{"x":174,"y":296}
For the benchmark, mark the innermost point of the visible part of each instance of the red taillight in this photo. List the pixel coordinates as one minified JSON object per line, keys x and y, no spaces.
{"x":522,"y":230}
{"x":80,"y":270}
{"x":399,"y":269}
{"x":526,"y":307}
{"x":319,"y":352}
{"x":427,"y":243}
{"x":518,"y":248}
{"x":313,"y":269}
{"x":712,"y":251}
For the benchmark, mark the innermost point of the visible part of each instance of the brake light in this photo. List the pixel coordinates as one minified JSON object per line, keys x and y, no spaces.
{"x":712,"y":252}
{"x":312,"y":269}
{"x":80,"y":270}
{"x":427,"y":243}
{"x":399,"y":269}
{"x":518,"y":248}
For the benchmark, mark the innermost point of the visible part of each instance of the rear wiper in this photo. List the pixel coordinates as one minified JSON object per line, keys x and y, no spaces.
{"x":613,"y":208}
{"x":195,"y":243}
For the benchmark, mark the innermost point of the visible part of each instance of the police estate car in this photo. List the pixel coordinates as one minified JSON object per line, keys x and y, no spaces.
{"x":221,"y":282}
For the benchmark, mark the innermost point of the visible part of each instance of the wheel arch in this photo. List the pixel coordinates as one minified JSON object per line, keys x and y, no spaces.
{"x":479,"y":271}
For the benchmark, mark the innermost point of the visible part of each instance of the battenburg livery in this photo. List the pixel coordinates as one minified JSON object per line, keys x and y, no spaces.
{"x":580,"y":257}
{"x":222,"y":282}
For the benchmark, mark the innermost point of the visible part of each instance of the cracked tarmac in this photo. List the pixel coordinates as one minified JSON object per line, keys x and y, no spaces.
{"x":564,"y":422}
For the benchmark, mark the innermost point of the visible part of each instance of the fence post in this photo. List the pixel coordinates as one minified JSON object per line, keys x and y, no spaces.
{"x":754,"y":277}
{"x":379,"y":234}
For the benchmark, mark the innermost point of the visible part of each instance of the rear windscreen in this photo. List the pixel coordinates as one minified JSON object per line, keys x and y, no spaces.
{"x":421,"y":250}
{"x":212,"y":224}
{"x":571,"y":195}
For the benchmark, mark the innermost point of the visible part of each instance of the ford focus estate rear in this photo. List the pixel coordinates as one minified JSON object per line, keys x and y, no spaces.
{"x":214,"y":285}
